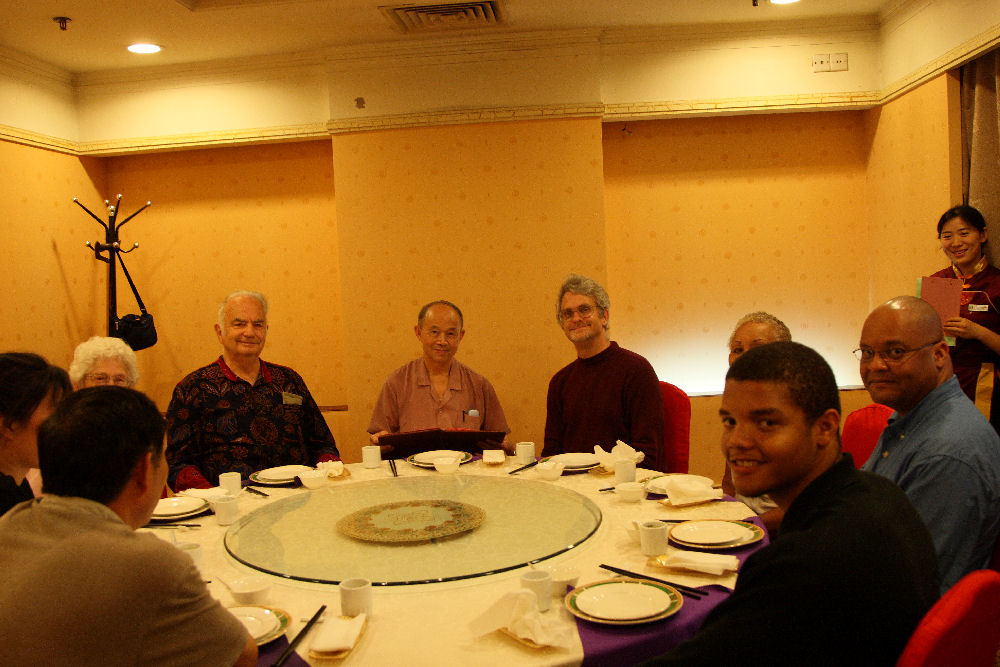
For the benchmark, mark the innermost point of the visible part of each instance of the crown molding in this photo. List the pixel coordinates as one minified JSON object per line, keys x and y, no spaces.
{"x":737,"y":31}
{"x":38,"y":72}
{"x":26,"y":138}
{"x":464,"y":117}
{"x":203,"y":140}
{"x":734,"y":106}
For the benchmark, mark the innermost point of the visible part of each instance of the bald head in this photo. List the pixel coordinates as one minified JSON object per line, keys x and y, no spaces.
{"x":904,"y":356}
{"x":916,"y":315}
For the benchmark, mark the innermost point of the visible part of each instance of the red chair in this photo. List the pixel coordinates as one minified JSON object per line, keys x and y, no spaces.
{"x":962,"y":628}
{"x":677,"y":428}
{"x":862,"y":429}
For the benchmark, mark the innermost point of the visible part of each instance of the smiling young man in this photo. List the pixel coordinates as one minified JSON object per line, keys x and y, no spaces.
{"x":240,"y":413}
{"x":608,"y":393}
{"x":852,"y":570}
{"x":436,"y":390}
{"x":937,"y":446}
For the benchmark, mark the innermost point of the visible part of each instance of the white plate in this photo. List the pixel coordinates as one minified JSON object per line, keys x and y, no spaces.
{"x":428,"y":457}
{"x":623,"y":600}
{"x":259,"y":621}
{"x":710,"y":532}
{"x":576,"y":459}
{"x":656,"y":484}
{"x":281,"y":473}
{"x":178,"y":506}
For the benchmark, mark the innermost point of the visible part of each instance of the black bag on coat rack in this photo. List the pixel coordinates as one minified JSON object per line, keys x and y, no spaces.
{"x":138,"y":331}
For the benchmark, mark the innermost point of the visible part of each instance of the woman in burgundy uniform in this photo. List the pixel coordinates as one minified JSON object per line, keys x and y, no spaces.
{"x":976,"y":355}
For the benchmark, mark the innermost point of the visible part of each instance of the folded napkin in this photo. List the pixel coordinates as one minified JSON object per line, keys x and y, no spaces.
{"x":686,"y":490}
{"x":516,"y":613}
{"x":207,"y":494}
{"x":698,"y":561}
{"x":494,"y":456}
{"x":331,"y":468}
{"x":338,"y":634}
{"x":620,"y":452}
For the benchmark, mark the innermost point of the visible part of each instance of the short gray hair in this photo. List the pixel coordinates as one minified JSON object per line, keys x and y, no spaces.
{"x":95,"y":348}
{"x":261,"y":299}
{"x":584,"y":286}
{"x":778,"y":328}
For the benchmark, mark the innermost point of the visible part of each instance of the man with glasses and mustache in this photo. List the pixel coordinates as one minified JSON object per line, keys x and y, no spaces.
{"x":937,"y":447}
{"x":608,"y":393}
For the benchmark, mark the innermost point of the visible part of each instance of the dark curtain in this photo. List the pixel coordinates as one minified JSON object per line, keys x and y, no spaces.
{"x":981,"y":139}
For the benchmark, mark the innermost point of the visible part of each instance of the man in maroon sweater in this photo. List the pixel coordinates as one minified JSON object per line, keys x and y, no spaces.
{"x":608,"y":393}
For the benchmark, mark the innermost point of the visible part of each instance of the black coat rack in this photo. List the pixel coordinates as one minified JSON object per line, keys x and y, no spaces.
{"x":112,"y":247}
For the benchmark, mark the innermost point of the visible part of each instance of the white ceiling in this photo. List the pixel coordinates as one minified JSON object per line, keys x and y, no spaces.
{"x":192,"y":31}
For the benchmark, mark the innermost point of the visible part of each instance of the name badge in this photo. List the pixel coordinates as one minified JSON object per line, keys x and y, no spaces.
{"x":978,"y":307}
{"x":290,"y":399}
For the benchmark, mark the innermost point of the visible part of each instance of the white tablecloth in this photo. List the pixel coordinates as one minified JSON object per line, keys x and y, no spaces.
{"x":427,"y":624}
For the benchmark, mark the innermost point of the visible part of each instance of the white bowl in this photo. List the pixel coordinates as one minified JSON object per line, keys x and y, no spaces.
{"x":249,"y":590}
{"x":630,"y":492}
{"x":313,"y":479}
{"x":446,"y":464}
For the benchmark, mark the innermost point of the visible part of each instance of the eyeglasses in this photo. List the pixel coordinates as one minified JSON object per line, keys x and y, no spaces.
{"x":104,"y":378}
{"x":892,"y":355}
{"x":584,"y":311}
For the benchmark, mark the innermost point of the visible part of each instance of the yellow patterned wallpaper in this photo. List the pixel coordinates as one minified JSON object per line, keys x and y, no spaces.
{"x":709,"y":219}
{"x":54,"y":289}
{"x":489,"y":216}
{"x":914,"y":175}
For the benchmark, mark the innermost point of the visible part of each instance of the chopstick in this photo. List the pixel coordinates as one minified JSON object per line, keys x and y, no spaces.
{"x":257,"y":491}
{"x":302,"y":633}
{"x":530,"y":465}
{"x":172,"y":525}
{"x":684,"y":590}
{"x":392,"y":467}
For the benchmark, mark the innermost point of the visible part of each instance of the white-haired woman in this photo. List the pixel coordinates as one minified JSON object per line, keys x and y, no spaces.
{"x":103,"y":360}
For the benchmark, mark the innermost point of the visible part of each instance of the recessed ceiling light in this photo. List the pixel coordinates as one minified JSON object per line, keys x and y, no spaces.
{"x":144,"y":48}
{"x":783,"y":2}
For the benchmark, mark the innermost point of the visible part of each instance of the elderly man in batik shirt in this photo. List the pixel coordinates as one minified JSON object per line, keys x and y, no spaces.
{"x":240,"y":413}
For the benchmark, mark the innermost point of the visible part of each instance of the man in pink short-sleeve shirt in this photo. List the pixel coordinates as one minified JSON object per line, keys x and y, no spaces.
{"x":435,"y":390}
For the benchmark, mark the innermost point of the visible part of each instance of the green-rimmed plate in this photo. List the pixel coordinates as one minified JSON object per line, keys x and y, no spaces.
{"x":265,"y":624}
{"x":426,"y":459}
{"x":753,"y":533}
{"x":623,"y":601}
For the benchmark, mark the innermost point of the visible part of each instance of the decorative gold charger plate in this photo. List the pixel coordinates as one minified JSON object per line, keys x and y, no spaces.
{"x":411,"y":521}
{"x":754,"y":534}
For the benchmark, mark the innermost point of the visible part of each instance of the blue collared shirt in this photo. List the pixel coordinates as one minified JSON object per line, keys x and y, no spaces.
{"x":946,"y":457}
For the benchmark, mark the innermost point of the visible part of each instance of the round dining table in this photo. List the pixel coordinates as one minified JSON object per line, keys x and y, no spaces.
{"x":427,"y":588}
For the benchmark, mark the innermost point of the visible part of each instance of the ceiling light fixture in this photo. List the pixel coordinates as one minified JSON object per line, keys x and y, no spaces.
{"x":783,"y":2}
{"x":144,"y":48}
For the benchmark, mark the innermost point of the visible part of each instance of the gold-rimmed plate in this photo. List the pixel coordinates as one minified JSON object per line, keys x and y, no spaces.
{"x":265,"y":624}
{"x":178,"y":507}
{"x":752,"y":533}
{"x":623,"y":601}
{"x":278,"y":475}
{"x":426,"y":459}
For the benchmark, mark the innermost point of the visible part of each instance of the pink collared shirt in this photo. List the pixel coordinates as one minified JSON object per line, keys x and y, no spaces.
{"x":407,"y":401}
